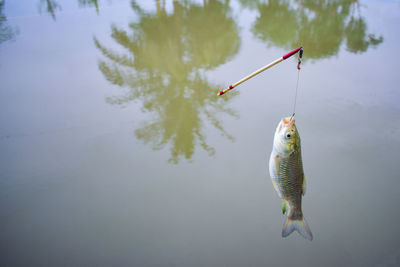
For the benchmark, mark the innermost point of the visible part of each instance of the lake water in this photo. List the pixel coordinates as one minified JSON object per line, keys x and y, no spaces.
{"x":116,"y":151}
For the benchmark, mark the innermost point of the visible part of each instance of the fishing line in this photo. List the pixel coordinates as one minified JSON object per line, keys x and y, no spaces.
{"x":295,"y":94}
{"x":297,"y":82}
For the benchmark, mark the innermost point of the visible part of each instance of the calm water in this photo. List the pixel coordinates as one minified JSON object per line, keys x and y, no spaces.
{"x":116,"y":151}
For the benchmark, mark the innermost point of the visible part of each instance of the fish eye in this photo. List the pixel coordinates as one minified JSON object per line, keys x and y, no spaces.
{"x":288,"y":135}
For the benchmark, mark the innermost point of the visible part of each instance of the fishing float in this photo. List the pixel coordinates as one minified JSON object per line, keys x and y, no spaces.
{"x":273,"y":63}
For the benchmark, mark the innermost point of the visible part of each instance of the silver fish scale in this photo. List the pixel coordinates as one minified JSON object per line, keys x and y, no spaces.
{"x":290,"y":181}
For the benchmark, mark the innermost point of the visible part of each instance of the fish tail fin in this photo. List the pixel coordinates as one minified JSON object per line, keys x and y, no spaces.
{"x":300,"y":225}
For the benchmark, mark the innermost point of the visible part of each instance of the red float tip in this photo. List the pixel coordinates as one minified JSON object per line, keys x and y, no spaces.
{"x":221,"y":93}
{"x":288,"y":55}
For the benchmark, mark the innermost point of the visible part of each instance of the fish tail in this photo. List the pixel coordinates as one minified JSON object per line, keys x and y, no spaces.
{"x":300,"y":225}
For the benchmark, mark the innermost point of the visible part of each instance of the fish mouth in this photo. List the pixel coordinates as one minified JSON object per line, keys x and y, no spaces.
{"x":288,"y":121}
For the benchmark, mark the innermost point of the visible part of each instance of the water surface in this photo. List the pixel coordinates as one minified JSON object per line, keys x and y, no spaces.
{"x":116,"y":151}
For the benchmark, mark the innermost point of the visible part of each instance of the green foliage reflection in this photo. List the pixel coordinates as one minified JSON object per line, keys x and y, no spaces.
{"x":166,"y":55}
{"x":51,"y":6}
{"x":321,"y":26}
{"x":94,"y":3}
{"x":6,"y":32}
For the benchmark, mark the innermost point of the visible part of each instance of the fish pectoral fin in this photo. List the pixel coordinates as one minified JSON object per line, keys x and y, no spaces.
{"x":284,"y":206}
{"x":303,"y":188}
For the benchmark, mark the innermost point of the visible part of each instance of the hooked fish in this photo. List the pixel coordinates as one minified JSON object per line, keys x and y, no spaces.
{"x":286,"y":171}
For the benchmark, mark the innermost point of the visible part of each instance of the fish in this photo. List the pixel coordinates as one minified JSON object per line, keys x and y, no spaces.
{"x":287,"y":175}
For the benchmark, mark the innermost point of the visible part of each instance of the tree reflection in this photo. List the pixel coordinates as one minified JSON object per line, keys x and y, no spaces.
{"x":166,"y":55}
{"x":85,"y":3}
{"x":6,"y":32}
{"x":51,"y":6}
{"x":321,"y":26}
